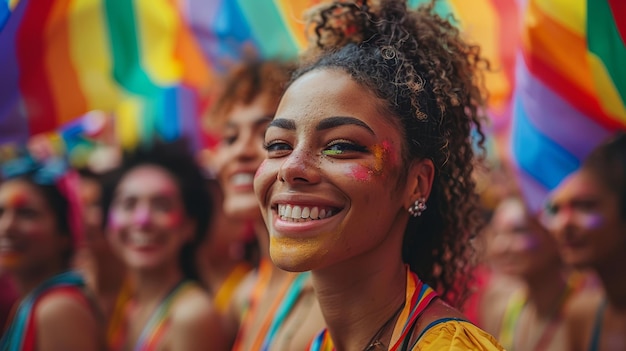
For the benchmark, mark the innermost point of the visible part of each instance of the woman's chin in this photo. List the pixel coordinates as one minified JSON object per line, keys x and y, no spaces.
{"x":294,"y":256}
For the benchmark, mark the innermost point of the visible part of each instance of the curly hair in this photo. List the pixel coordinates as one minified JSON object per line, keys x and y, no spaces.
{"x":249,"y":80}
{"x":430,"y":79}
{"x":607,"y":162}
{"x":177,"y":159}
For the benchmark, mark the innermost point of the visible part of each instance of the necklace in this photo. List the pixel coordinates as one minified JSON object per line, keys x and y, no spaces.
{"x":374,"y":343}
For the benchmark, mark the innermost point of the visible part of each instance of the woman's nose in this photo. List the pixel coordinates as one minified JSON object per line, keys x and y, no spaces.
{"x":299,"y":167}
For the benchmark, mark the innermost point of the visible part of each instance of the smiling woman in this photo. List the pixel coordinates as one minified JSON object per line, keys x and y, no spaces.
{"x":158,"y":210}
{"x":37,"y":242}
{"x":367,"y":181}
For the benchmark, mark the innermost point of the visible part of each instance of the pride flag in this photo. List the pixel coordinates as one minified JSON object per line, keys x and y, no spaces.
{"x":571,"y":88}
{"x":151,"y":63}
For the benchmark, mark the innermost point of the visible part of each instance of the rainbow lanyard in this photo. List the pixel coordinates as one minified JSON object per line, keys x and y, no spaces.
{"x":15,"y":335}
{"x":417,"y":293}
{"x":157,"y":325}
{"x":282,"y":305}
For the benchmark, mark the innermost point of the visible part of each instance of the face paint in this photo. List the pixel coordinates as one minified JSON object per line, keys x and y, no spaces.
{"x":382,"y":154}
{"x":174,"y":218}
{"x":591,"y":221}
{"x":141,"y":216}
{"x":360,"y":173}
{"x":17,"y":199}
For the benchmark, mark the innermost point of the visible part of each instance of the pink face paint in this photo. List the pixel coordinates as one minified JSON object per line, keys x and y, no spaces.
{"x":174,"y":218}
{"x":530,"y":243}
{"x":360,"y":173}
{"x":141,"y":216}
{"x":114,"y":220}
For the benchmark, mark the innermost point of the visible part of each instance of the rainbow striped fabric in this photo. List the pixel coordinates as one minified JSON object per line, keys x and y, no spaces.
{"x":571,"y":88}
{"x":151,"y":62}
{"x":148,"y":62}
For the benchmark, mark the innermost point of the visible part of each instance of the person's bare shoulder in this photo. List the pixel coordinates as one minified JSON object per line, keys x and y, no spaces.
{"x":241,"y":297}
{"x":495,"y":300}
{"x":65,"y":323}
{"x":195,"y":323}
{"x":580,"y":316}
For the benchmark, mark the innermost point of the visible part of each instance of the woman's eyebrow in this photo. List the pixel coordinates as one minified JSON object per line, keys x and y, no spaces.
{"x":336,"y":121}
{"x":283,"y":123}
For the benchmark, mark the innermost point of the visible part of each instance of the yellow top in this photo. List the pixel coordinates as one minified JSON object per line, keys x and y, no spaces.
{"x":456,"y":335}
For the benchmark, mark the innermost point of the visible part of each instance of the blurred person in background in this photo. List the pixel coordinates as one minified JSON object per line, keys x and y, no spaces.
{"x":104,"y":272}
{"x":587,"y":215}
{"x":40,"y":228}
{"x":277,"y":309}
{"x":526,"y":301}
{"x":221,"y":258}
{"x":157,"y":210}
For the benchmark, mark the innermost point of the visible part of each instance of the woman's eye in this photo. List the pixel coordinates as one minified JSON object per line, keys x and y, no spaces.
{"x":274,"y":147}
{"x":229,"y":139}
{"x":343,"y":147}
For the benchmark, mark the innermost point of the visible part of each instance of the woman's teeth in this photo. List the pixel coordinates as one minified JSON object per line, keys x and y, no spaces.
{"x":242,"y":179}
{"x":303,"y":213}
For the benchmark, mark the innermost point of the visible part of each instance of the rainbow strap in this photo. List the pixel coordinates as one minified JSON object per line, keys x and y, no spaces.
{"x":15,"y":336}
{"x":417,"y":293}
{"x":157,"y":325}
{"x":286,"y":306}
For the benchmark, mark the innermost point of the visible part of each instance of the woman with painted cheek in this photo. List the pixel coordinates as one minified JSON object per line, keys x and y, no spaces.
{"x":368,"y":179}
{"x":272,"y":305}
{"x":158,"y":210}
{"x":38,"y":233}
{"x":587,"y":215}
{"x":527,"y":312}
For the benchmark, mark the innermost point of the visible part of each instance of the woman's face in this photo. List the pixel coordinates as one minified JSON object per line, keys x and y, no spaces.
{"x":584,"y":215}
{"x":519,"y":245}
{"x":330,"y":188}
{"x":240,"y":153}
{"x":147,"y":223}
{"x":29,"y":237}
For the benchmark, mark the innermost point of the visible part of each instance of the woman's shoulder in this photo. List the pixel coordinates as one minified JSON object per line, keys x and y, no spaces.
{"x":195,"y":322}
{"x":444,"y":328}
{"x":192,"y":304}
{"x":456,"y":334}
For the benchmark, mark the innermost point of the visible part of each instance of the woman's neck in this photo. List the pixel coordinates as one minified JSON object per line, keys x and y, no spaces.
{"x":27,"y":282}
{"x":612,"y":278}
{"x":356,"y":303}
{"x":151,"y":286}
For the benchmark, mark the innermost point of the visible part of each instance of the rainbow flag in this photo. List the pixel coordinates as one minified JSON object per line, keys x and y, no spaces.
{"x":571,"y":88}
{"x":151,"y":63}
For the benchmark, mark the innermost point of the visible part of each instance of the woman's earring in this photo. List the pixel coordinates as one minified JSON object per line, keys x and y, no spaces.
{"x":418,"y":207}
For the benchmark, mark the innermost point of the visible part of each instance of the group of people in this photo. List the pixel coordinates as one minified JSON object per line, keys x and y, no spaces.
{"x":338,"y":211}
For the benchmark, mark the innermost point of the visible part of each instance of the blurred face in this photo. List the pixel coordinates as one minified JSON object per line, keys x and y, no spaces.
{"x":519,"y":246}
{"x":147,"y":222}
{"x":240,"y":153}
{"x":330,"y":189}
{"x":584,"y":216}
{"x":29,"y":238}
